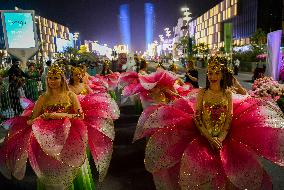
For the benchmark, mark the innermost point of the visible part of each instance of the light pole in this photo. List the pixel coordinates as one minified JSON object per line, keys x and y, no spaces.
{"x":187,"y":18}
{"x":162,"y":43}
{"x":75,"y":37}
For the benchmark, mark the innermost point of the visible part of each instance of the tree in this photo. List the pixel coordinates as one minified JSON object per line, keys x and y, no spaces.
{"x":258,"y":41}
{"x":71,"y":53}
{"x":203,"y":49}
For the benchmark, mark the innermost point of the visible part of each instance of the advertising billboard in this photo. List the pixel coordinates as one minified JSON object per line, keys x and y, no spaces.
{"x":19,"y":28}
{"x":20,"y":33}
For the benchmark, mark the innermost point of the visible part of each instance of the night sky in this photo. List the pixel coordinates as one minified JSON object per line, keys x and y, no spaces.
{"x":98,"y":19}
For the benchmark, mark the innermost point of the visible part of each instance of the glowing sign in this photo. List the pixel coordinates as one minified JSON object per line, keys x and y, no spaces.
{"x":19,"y":29}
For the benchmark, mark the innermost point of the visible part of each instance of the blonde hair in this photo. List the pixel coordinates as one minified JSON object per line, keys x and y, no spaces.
{"x":55,"y":70}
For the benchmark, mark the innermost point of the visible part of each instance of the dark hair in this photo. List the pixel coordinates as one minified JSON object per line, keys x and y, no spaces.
{"x":48,"y":63}
{"x":31,"y":64}
{"x":14,"y":60}
{"x":143,"y":64}
{"x":105,"y":70}
{"x":227,"y":75}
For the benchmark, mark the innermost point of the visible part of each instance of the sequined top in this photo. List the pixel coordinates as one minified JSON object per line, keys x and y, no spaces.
{"x":214,"y":115}
{"x":84,"y":92}
{"x":58,"y":108}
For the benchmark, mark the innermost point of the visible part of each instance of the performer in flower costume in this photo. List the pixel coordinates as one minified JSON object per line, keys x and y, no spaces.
{"x":110,"y":79}
{"x":99,"y":112}
{"x":106,"y":82}
{"x":46,"y":137}
{"x":157,"y":87}
{"x":76,"y":83}
{"x":217,"y":144}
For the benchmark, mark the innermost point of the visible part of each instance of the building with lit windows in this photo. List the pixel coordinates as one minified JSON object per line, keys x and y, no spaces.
{"x":246,"y":17}
{"x":121,"y":49}
{"x":53,"y":37}
{"x":50,"y":34}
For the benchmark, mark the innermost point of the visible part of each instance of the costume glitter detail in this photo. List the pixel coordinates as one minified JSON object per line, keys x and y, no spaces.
{"x":84,"y":92}
{"x":179,"y":157}
{"x":157,"y":87}
{"x":54,"y":70}
{"x":214,"y":116}
{"x":59,"y":108}
{"x":77,"y":70}
{"x":214,"y":64}
{"x":48,"y":144}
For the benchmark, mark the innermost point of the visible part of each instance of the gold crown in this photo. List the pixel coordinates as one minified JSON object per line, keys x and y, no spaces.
{"x":215,"y":63}
{"x":77,"y":70}
{"x":106,"y":62}
{"x":55,"y":70}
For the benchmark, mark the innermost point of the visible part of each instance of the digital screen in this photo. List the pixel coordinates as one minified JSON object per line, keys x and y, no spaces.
{"x":19,"y":29}
{"x":62,"y":44}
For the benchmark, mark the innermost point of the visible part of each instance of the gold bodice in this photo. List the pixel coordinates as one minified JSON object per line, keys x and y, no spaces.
{"x":84,"y":92}
{"x":214,"y":115}
{"x":58,"y":108}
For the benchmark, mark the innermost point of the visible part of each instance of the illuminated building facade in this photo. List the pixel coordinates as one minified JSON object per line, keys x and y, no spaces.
{"x":49,"y":33}
{"x":246,"y":17}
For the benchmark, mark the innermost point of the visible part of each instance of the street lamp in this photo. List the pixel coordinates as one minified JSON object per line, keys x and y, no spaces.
{"x":161,"y":38}
{"x":184,"y":9}
{"x":186,"y":14}
{"x":168,"y":32}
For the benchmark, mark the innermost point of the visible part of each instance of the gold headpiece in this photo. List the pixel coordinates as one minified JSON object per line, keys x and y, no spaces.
{"x":55,"y":70}
{"x":215,"y":63}
{"x":77,"y":70}
{"x":107,"y":62}
{"x":173,"y":67}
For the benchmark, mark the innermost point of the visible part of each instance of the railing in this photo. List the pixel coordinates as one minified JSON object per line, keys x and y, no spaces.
{"x":10,"y":96}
